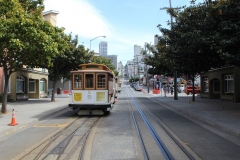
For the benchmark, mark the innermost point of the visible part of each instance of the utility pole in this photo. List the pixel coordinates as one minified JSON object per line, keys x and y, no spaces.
{"x":147,"y":72}
{"x":138,"y":71}
{"x":175,"y":74}
{"x":134,"y":69}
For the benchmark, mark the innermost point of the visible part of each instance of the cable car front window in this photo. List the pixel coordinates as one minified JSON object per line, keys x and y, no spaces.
{"x":89,"y":81}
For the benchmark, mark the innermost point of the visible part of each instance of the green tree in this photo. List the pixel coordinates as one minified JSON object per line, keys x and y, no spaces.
{"x":226,"y":35}
{"x":25,"y":38}
{"x":190,"y":41}
{"x":72,"y":56}
{"x":158,"y":59}
{"x":131,"y":80}
{"x":203,"y":36}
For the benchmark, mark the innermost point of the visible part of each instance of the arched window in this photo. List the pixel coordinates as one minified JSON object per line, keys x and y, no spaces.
{"x":42,"y":85}
{"x":20,"y":84}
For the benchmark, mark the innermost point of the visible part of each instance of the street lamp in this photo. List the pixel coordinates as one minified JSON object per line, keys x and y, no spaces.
{"x":95,"y":38}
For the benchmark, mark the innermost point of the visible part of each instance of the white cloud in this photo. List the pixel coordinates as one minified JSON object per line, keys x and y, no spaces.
{"x":85,"y":20}
{"x":79,"y":17}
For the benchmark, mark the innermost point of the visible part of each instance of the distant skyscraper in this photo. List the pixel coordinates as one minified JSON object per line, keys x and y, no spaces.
{"x":113,"y":59}
{"x":103,"y":48}
{"x":137,"y":50}
{"x":120,"y":68}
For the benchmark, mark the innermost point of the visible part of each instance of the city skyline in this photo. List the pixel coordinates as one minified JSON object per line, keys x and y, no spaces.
{"x":124,"y":24}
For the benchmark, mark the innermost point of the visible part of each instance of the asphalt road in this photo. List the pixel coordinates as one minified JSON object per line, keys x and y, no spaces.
{"x":115,"y":136}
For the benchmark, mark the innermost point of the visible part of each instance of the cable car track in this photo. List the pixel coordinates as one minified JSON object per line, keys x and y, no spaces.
{"x":166,"y":152}
{"x":68,"y":143}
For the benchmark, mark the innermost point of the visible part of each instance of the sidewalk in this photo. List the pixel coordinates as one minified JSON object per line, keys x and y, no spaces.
{"x":27,"y":112}
{"x":224,"y":115}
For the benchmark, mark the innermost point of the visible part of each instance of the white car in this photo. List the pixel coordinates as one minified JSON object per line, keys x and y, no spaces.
{"x":181,"y":87}
{"x":138,"y":87}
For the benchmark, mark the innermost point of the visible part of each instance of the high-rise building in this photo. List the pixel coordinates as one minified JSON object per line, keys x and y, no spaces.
{"x":137,"y":50}
{"x":120,"y":69}
{"x":113,"y":59}
{"x":103,"y":48}
{"x":138,"y":62}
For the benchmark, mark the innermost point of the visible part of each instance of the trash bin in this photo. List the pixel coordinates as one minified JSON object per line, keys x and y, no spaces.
{"x":59,"y":90}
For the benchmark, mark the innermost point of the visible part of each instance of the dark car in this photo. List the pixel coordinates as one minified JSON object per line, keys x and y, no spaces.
{"x":133,"y":84}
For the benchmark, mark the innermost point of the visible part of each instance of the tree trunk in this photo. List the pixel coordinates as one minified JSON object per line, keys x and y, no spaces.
{"x":193,"y":90}
{"x":5,"y":92}
{"x":53,"y":95}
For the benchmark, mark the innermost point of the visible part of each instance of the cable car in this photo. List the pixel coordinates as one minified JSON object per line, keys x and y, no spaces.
{"x":93,"y":89}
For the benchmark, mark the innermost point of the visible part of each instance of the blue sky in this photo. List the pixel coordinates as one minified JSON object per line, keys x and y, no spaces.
{"x":125,"y":23}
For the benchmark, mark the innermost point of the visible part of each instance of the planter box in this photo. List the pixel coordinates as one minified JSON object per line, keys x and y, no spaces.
{"x":227,"y":97}
{"x":22,"y":97}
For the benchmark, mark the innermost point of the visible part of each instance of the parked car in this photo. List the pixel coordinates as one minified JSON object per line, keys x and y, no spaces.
{"x":189,"y":90}
{"x":181,"y":87}
{"x":138,"y":87}
{"x":132,"y":84}
{"x":135,"y":85}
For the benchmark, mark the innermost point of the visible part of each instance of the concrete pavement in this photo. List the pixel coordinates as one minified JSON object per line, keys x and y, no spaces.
{"x":224,"y":115}
{"x":28,"y":112}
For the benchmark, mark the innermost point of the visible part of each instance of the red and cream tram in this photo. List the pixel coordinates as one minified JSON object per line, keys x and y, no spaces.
{"x":93,"y":89}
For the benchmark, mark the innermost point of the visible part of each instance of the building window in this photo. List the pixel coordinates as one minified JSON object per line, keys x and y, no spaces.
{"x":43,"y":69}
{"x":216,"y":86}
{"x":20,"y":84}
{"x":42,"y":85}
{"x":205,"y":85}
{"x":32,"y":86}
{"x":228,"y":84}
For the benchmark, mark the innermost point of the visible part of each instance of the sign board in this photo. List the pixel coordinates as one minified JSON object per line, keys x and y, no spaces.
{"x":77,"y":97}
{"x":100,"y":97}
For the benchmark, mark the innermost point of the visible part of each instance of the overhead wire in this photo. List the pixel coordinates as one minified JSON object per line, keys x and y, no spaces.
{"x":158,"y":18}
{"x":160,"y":13}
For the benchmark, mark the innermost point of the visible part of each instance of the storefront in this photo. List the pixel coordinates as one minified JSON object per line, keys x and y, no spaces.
{"x":221,"y":83}
{"x":25,"y":84}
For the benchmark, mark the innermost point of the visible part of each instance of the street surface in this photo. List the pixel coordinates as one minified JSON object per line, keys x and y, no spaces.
{"x":116,"y":136}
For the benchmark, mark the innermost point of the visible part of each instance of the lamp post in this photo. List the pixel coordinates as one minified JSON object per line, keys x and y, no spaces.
{"x":147,"y":78}
{"x":95,"y":38}
{"x":134,"y":71}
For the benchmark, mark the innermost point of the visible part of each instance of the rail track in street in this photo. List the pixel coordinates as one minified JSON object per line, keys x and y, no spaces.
{"x":68,"y":143}
{"x":156,"y":140}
